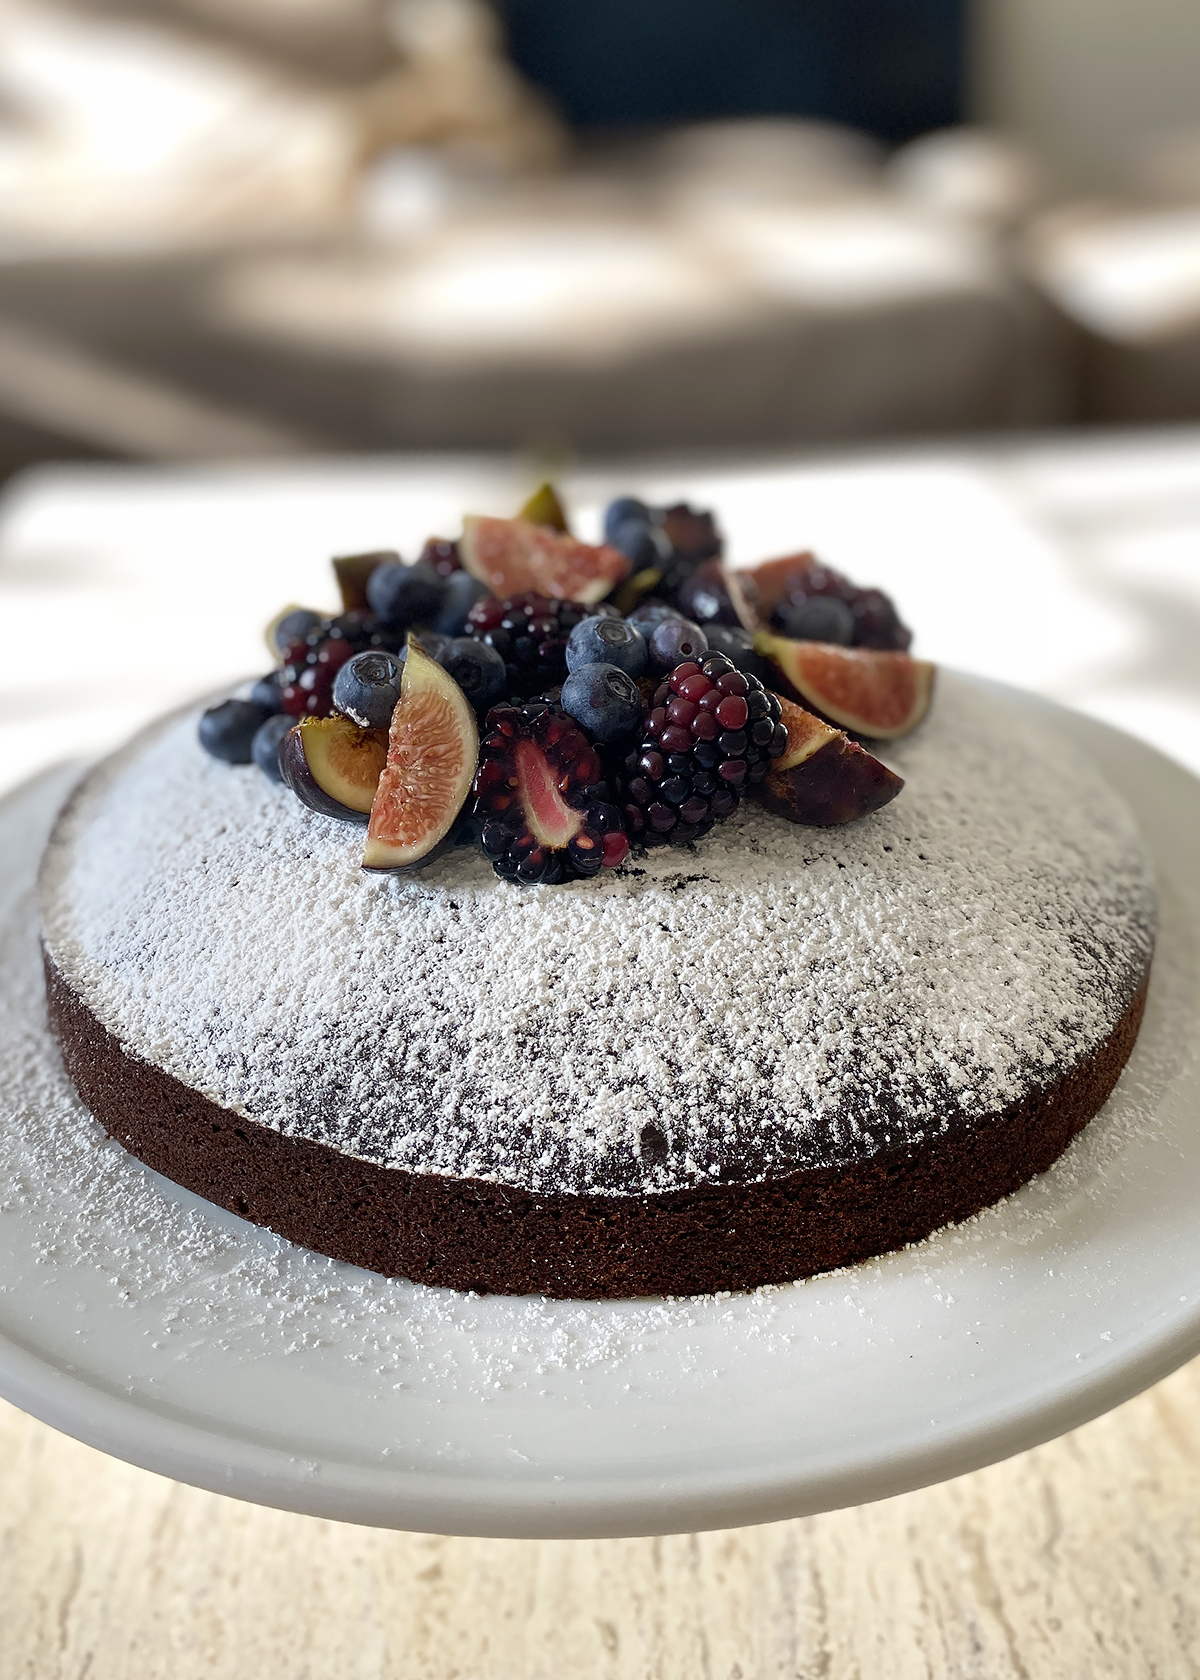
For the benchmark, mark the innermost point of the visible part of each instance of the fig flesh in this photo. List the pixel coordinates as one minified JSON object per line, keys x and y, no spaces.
{"x":822,"y":777}
{"x":432,"y":749}
{"x":878,"y":694}
{"x":333,"y":765}
{"x":515,"y":557}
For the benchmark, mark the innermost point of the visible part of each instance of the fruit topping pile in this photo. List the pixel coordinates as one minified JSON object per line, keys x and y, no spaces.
{"x":557,"y":703}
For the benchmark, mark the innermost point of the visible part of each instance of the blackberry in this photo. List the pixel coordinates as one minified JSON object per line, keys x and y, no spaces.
{"x":546,"y":816}
{"x":530,"y":633}
{"x":712,"y":731}
{"x":307,"y":676}
{"x":692,"y":538}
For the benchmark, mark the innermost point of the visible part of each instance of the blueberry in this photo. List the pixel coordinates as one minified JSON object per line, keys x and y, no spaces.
{"x":434,"y":643}
{"x":644,"y":544}
{"x":673,"y":641}
{"x":650,"y":613}
{"x":462,"y":592}
{"x":625,"y":510}
{"x":264,"y":749}
{"x":820,"y":618}
{"x":294,"y":626}
{"x":227,"y":731}
{"x":402,"y":595}
{"x":367,"y":688}
{"x":704,"y":595}
{"x":607,"y":641}
{"x":266,"y":691}
{"x":604,"y":699}
{"x":738,"y":645}
{"x":477,"y":669}
{"x":356,"y":626}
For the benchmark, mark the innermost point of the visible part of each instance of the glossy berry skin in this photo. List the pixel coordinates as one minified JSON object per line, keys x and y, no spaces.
{"x":227,"y":731}
{"x":356,"y":627}
{"x":266,"y":691}
{"x":433,"y":642}
{"x":649,"y":614}
{"x":673,"y":641}
{"x":738,"y":645}
{"x":403,"y":595}
{"x":442,"y":554}
{"x":608,"y":641}
{"x":477,"y":669}
{"x":367,"y":688}
{"x":264,"y":749}
{"x":604,"y":700}
{"x":539,"y":736}
{"x":711,"y":731}
{"x":877,"y":624}
{"x":625,"y":510}
{"x":704,"y":597}
{"x":820,"y":618}
{"x":642,"y":542}
{"x":294,"y":627}
{"x":462,"y":592}
{"x":530,"y":634}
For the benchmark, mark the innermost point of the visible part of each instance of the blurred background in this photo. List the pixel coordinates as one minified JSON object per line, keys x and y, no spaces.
{"x":257,"y":228}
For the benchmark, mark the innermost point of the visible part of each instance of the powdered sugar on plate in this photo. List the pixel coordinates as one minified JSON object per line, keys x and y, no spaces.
{"x":774,"y":997}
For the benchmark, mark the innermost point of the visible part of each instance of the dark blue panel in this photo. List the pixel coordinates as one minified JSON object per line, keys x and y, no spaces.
{"x":894,"y":67}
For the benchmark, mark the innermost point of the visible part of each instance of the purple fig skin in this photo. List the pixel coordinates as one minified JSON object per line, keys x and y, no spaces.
{"x":293,"y":766}
{"x":839,"y":783}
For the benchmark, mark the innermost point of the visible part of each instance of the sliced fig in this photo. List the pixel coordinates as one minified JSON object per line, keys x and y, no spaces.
{"x":515,"y":557}
{"x":432,"y":748}
{"x":545,"y":508}
{"x":878,"y":694}
{"x":352,"y":572}
{"x":822,"y":777}
{"x":333,"y":765}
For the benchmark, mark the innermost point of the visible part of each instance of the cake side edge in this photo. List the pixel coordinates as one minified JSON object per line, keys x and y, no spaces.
{"x":473,"y":1234}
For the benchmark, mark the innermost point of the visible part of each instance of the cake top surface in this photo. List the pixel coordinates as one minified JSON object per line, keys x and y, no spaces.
{"x":773,"y":998}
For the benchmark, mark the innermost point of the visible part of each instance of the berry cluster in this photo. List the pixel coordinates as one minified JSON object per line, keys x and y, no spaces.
{"x":712,"y":731}
{"x":822,"y":605}
{"x":530,"y":633}
{"x":641,"y":719}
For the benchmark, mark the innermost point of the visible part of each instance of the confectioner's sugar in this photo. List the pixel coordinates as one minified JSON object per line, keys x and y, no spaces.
{"x":775,"y":997}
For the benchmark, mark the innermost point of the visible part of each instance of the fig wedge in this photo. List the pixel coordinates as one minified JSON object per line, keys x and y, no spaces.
{"x":333,"y":766}
{"x":512,"y":556}
{"x":880,"y":695}
{"x":822,"y":777}
{"x":432,"y":749}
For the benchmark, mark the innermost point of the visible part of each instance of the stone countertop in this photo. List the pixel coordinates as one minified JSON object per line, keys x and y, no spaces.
{"x":1067,"y":565}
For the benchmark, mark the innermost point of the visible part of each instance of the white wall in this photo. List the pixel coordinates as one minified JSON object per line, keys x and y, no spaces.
{"x":1084,"y":80}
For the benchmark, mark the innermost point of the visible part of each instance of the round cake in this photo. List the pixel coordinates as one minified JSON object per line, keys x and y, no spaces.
{"x":770,"y":1053}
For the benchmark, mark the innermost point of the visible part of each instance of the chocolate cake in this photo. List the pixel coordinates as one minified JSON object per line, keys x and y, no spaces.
{"x":774,"y":1052}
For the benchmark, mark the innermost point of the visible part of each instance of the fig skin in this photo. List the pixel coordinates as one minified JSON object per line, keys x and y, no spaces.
{"x":298,"y":775}
{"x":545,"y":508}
{"x":838,"y":783}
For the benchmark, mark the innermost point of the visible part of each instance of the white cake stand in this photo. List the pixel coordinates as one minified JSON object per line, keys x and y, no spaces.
{"x":158,"y":1328}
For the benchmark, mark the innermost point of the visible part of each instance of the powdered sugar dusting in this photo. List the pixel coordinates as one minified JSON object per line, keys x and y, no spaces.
{"x":775,"y":997}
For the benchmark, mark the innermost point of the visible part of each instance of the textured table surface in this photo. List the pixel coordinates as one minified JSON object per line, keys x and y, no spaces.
{"x":1069,"y":567}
